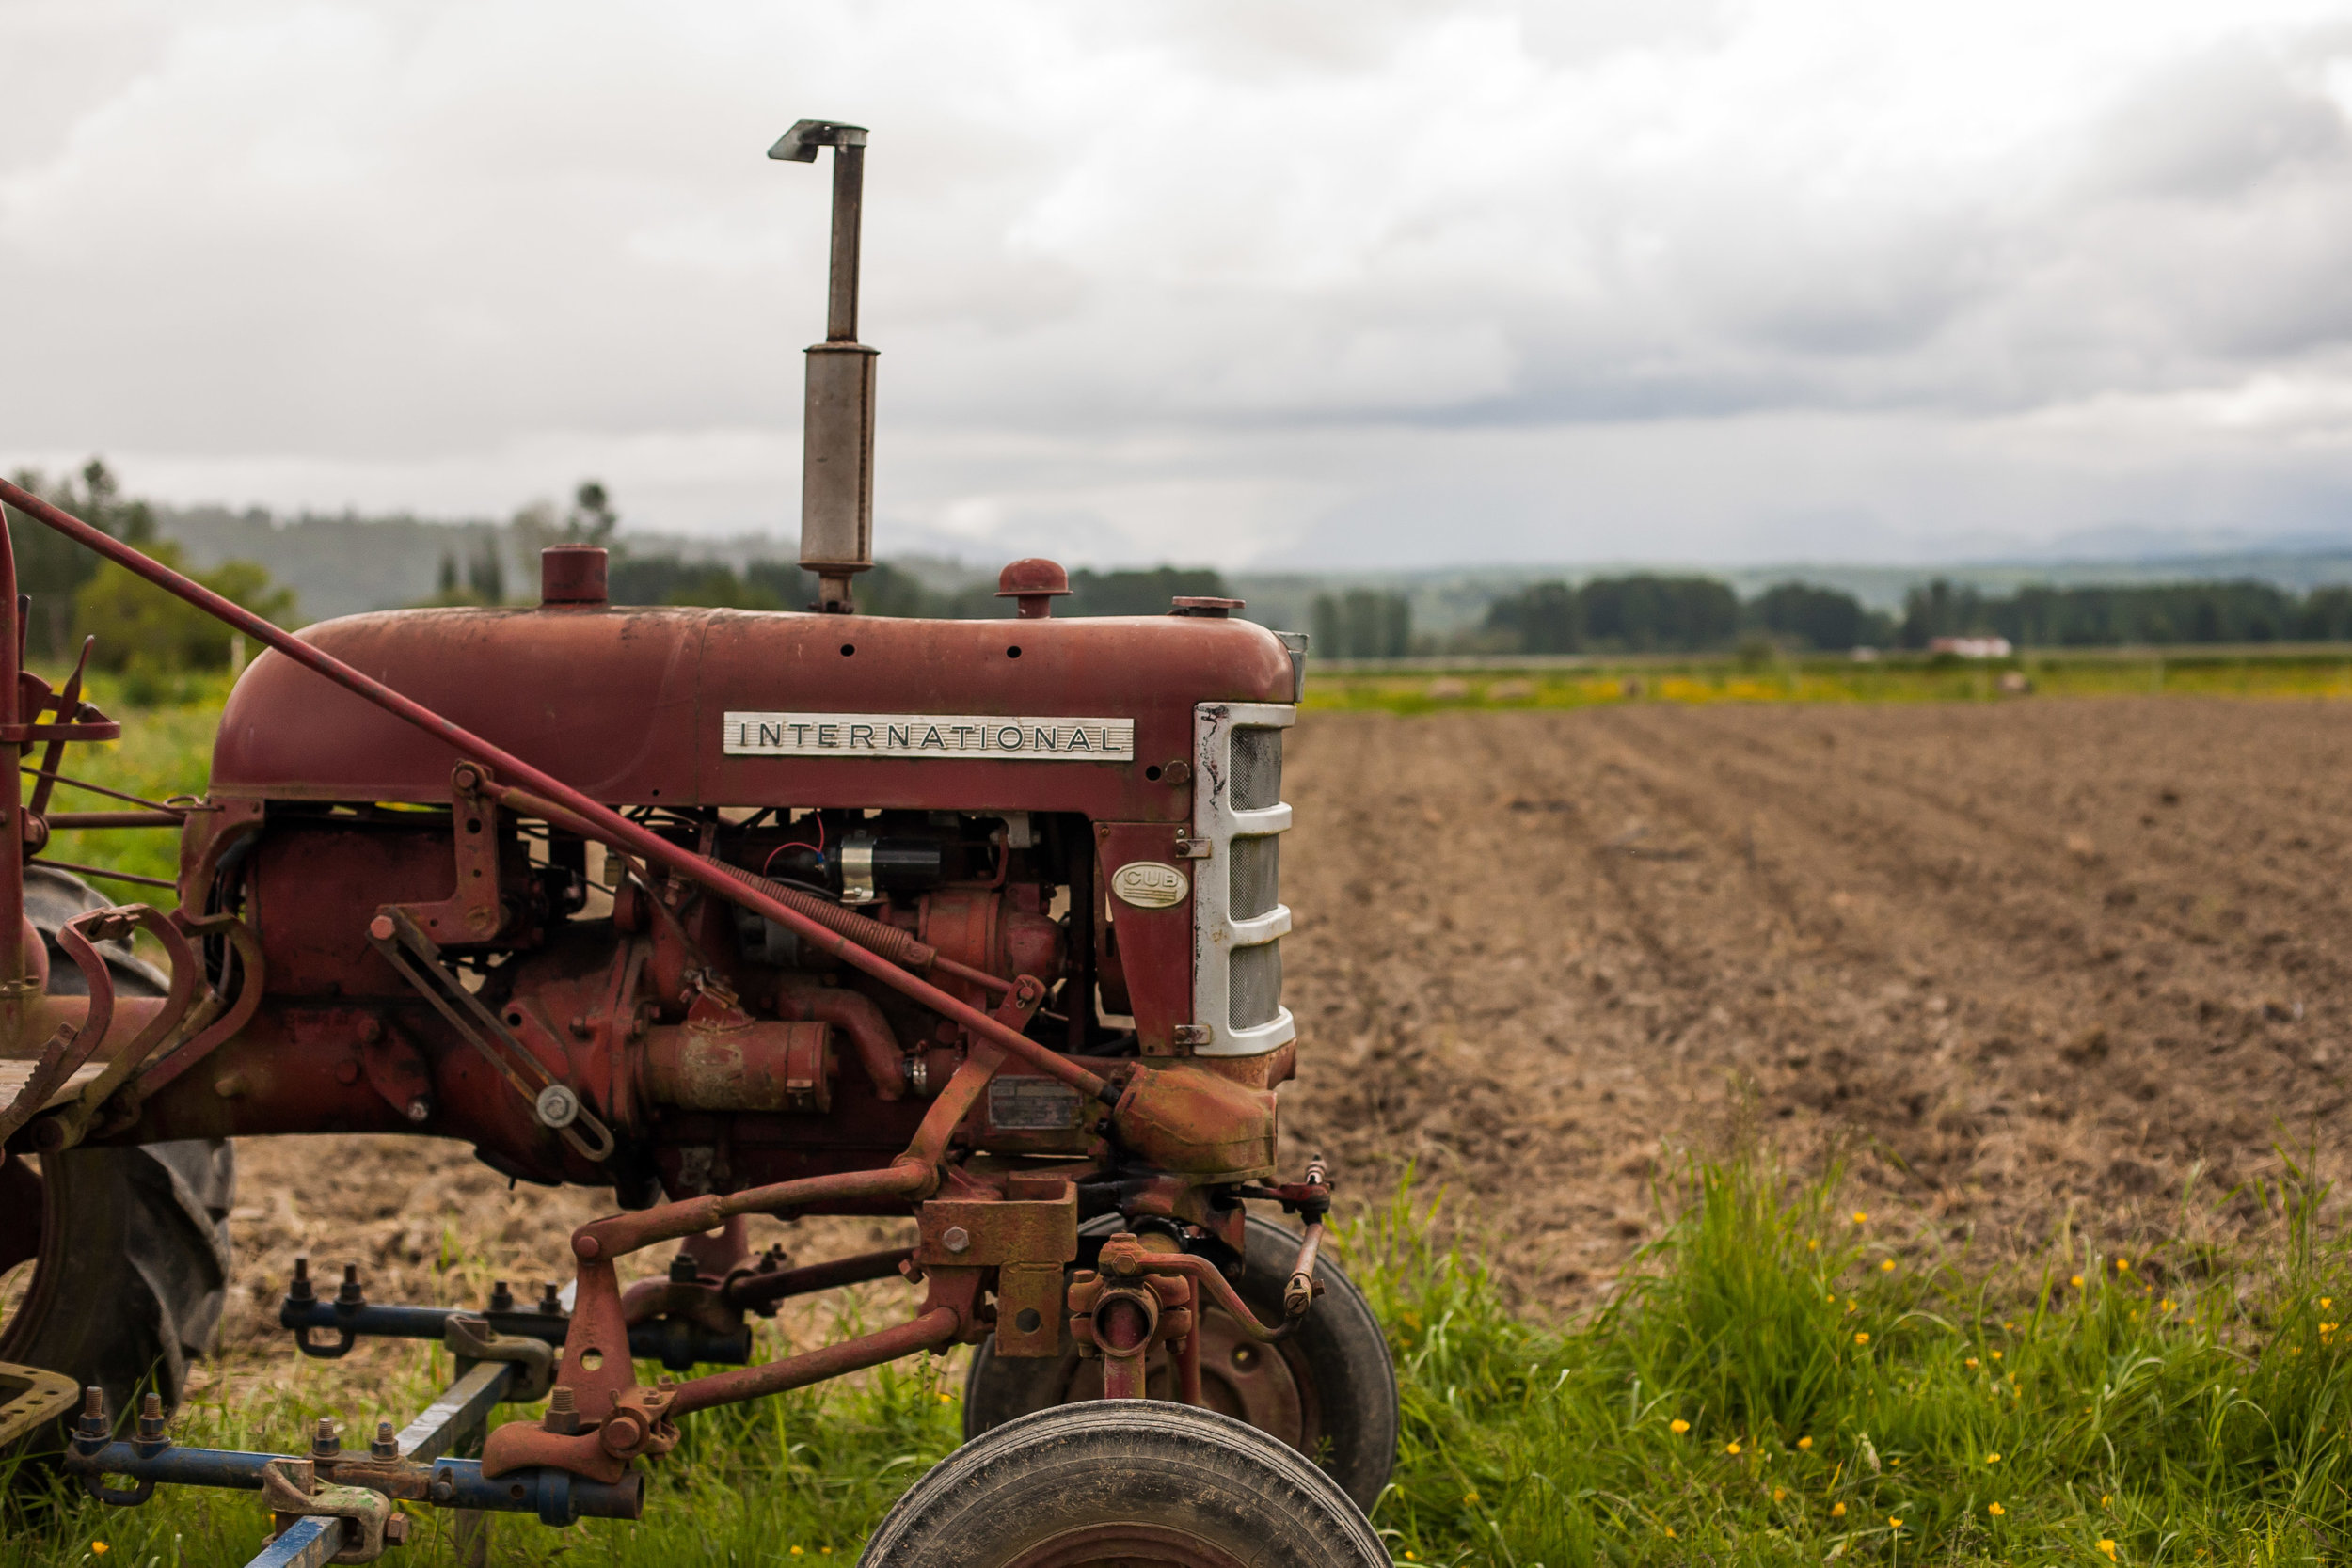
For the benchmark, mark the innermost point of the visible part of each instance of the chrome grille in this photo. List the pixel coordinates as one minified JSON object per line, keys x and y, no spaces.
{"x":1256,"y":781}
{"x":1254,"y":990}
{"x":1256,"y":882}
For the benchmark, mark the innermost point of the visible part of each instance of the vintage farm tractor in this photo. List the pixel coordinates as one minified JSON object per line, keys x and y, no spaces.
{"x":733,"y":913}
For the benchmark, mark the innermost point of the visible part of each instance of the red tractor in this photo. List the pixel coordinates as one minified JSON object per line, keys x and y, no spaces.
{"x":733,"y":913}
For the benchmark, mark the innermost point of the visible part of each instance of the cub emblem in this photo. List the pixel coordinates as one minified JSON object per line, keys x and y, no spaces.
{"x":1149,"y":884}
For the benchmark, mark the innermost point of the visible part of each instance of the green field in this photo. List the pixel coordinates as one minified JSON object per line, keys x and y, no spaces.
{"x":2304,"y":671}
{"x":1785,"y":1379}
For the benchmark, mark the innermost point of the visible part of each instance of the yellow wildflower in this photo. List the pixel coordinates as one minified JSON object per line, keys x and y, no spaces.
{"x":1970,"y":1363}
{"x":1837,"y":1511}
{"x":1996,"y":1355}
{"x":2107,"y":1547}
{"x":1731,"y":1447}
{"x":1893,"y":1522}
{"x":1780,"y":1493}
{"x":1813,"y":1245}
{"x":100,"y":1547}
{"x":1993,"y":1459}
{"x":1678,"y":1426}
{"x":1804,"y":1442}
{"x":1670,"y":1533}
{"x":1996,"y":1509}
{"x":2327,"y":1301}
{"x":1887,"y":1265}
{"x":2164,"y":1305}
{"x":2075,"y":1281}
{"x":1859,"y":1217}
{"x":1862,"y":1339}
{"x":2105,"y":1499}
{"x":1470,"y":1497}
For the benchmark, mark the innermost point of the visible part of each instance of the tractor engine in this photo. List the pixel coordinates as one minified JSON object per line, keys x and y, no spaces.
{"x":1094,"y":805}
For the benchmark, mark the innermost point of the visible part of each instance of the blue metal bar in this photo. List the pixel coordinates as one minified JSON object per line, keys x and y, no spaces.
{"x":305,"y":1543}
{"x":674,"y":1343}
{"x":552,"y":1495}
{"x":462,"y":1407}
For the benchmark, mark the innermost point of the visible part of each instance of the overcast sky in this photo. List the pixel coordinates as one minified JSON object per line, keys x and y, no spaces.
{"x":1366,"y":283}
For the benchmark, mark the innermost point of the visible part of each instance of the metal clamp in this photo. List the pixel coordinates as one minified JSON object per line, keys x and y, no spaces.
{"x":290,"y":1488}
{"x":471,"y":1339}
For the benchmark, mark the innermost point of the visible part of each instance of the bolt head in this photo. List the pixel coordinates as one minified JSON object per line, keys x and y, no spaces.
{"x":420,"y":1108}
{"x":957,"y":1239}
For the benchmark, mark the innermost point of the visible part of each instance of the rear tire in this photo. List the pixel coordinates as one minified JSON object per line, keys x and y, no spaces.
{"x":1125,"y":1482}
{"x":134,"y":1260}
{"x":1330,"y":1390}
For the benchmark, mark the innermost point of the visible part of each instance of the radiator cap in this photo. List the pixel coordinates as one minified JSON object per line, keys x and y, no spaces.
{"x":572,"y":575}
{"x":1036,"y":583}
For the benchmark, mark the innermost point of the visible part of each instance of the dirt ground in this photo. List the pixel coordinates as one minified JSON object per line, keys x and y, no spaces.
{"x":2028,"y":963}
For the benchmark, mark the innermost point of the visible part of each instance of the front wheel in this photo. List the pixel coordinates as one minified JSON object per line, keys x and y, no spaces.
{"x":1125,"y":1483}
{"x":1328,"y":1391}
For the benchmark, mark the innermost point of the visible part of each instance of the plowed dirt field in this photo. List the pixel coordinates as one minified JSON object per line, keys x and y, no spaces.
{"x":2026,"y":963}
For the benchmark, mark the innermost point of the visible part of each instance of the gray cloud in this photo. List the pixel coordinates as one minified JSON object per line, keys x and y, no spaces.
{"x":1273,"y":280}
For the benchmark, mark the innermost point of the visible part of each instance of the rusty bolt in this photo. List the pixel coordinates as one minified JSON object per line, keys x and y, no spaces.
{"x":396,"y":1531}
{"x":351,"y":1295}
{"x":325,"y":1443}
{"x":683,"y":1270}
{"x":502,"y":1299}
{"x":622,"y":1434}
{"x":151,"y":1416}
{"x":93,"y":1424}
{"x":957,"y":1239}
{"x":466,"y":778}
{"x":386,"y":1445}
{"x":300,"y":1289}
{"x":563,"y":1417}
{"x":381,"y":927}
{"x":580,"y":1026}
{"x":371,"y":1029}
{"x":551,"y":1299}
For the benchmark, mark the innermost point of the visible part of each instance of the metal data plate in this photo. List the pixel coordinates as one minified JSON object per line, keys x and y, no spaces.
{"x":929,"y":735}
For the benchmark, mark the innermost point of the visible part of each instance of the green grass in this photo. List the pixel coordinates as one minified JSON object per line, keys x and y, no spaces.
{"x":1765,"y":1388}
{"x":165,"y":750}
{"x":2288,"y":672}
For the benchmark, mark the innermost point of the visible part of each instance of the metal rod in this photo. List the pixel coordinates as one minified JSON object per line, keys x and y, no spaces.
{"x":651,"y":846}
{"x":110,"y":876}
{"x":929,"y":1331}
{"x":754,"y":1290}
{"x":61,"y":821}
{"x":464,"y":1405}
{"x":312,"y":1542}
{"x":849,"y":195}
{"x":102,"y":789}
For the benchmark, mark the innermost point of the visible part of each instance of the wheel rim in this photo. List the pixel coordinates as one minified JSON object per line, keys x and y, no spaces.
{"x":1127,"y":1543}
{"x":1267,"y":1385}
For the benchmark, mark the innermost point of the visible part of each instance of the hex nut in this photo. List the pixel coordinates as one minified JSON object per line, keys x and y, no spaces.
{"x":957,"y":1239}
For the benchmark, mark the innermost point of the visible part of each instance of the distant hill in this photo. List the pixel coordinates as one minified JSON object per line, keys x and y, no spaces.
{"x":341,"y":564}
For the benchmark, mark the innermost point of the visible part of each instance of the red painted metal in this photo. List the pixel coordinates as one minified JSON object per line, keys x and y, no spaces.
{"x":368,"y":836}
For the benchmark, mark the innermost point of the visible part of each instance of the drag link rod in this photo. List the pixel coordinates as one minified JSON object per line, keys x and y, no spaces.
{"x":930,"y":1331}
{"x":616,"y":829}
{"x":617,"y":1235}
{"x":757,"y":1289}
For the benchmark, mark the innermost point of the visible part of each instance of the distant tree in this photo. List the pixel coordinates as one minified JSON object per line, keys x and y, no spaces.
{"x":51,"y":568}
{"x":592,"y":519}
{"x":1826,"y":618}
{"x":1362,"y":624}
{"x":1131,"y":592}
{"x":1541,"y":618}
{"x":138,"y":625}
{"x":1941,"y":609}
{"x":485,"y":574}
{"x":717,"y":587}
{"x":450,"y":591}
{"x":1645,"y":613}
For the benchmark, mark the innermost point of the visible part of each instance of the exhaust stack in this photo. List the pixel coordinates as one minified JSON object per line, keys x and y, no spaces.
{"x":837,"y":428}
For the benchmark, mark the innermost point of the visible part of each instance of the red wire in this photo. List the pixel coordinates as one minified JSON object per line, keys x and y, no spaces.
{"x":817,"y":818}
